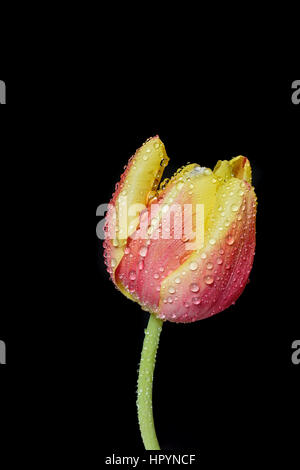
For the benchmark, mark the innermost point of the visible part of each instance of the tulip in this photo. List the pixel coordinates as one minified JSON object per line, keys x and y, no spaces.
{"x":182,"y":249}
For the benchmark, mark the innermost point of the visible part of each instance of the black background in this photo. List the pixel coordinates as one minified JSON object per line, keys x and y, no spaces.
{"x":225,"y":386}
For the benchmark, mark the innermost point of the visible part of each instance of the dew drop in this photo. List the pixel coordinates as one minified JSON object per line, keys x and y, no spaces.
{"x":203,"y":256}
{"x":234,"y":208}
{"x":113,"y":263}
{"x":212,"y":241}
{"x":143,"y":251}
{"x":230,"y":240}
{"x":209,"y":265}
{"x":156,"y":276}
{"x":171,"y":290}
{"x":193,"y":266}
{"x":194,"y":287}
{"x":177,"y":280}
{"x":219,"y":261}
{"x":132,"y":275}
{"x":209,"y":280}
{"x":141,"y":265}
{"x":196,"y":300}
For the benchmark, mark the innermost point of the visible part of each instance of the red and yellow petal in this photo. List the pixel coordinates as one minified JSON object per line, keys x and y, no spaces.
{"x":212,"y":279}
{"x":140,"y":180}
{"x":152,"y":255}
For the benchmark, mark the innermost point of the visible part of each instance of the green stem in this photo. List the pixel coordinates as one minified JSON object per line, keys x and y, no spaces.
{"x":144,"y":400}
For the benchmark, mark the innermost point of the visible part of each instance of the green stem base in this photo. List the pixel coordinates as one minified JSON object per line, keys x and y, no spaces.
{"x":145,"y":380}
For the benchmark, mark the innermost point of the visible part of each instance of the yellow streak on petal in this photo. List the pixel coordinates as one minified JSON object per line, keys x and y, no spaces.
{"x":228,"y":201}
{"x":144,"y":175}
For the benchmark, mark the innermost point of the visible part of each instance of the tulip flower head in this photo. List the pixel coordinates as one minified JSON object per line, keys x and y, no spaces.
{"x":182,"y":249}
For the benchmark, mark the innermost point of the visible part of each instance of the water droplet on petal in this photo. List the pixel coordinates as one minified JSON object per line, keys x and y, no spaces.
{"x":196,"y":300}
{"x":193,"y":266}
{"x":113,"y":263}
{"x":209,"y":265}
{"x":143,"y":251}
{"x":141,"y":265}
{"x":171,"y":290}
{"x":212,"y":241}
{"x":234,"y":208}
{"x":132,"y":275}
{"x":230,"y":240}
{"x":194,"y":287}
{"x":209,"y":280}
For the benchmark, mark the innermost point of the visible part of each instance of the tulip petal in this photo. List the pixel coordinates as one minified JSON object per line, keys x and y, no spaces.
{"x":139,"y":182}
{"x":239,"y":167}
{"x":211,"y":279}
{"x":148,"y":262}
